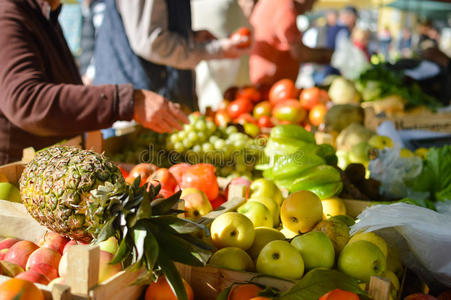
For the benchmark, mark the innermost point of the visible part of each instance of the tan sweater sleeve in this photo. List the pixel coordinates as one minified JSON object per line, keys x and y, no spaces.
{"x":146,"y":25}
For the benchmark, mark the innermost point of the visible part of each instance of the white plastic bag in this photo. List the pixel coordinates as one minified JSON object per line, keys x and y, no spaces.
{"x":422,"y":236}
{"x":350,"y":60}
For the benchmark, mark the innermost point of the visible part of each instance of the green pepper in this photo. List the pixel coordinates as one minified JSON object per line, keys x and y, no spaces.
{"x":324,"y":180}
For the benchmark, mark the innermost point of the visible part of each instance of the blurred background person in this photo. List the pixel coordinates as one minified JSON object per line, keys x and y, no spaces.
{"x":213,"y":77}
{"x":343,"y":28}
{"x":278,"y":50}
{"x":405,"y":43}
{"x":150,"y":44}
{"x":361,"y":39}
{"x":384,"y":42}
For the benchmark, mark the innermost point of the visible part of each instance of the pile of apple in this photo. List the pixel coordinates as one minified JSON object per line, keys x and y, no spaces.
{"x":46,"y":262}
{"x":313,"y":234}
{"x":257,"y":109}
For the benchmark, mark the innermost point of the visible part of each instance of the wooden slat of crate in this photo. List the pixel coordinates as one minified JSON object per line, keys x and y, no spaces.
{"x":355,"y":207}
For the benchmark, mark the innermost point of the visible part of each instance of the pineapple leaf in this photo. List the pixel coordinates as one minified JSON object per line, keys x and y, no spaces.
{"x":173,"y":276}
{"x":123,"y":251}
{"x":181,"y":226}
{"x":139,"y":236}
{"x":107,"y":230}
{"x":151,"y":250}
{"x":144,"y":211}
{"x":146,"y":278}
{"x":163,"y":206}
{"x":196,"y":241}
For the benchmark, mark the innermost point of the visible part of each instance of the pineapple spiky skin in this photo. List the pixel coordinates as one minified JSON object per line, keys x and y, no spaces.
{"x":70,"y":190}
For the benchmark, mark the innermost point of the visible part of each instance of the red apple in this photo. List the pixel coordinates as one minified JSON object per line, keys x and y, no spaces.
{"x":3,"y":253}
{"x":55,"y":241}
{"x":7,"y":243}
{"x":62,"y":268}
{"x":44,"y":256}
{"x":68,"y":245}
{"x":45,"y":269}
{"x":34,"y":277}
{"x":19,"y":252}
{"x":196,"y":203}
{"x":107,"y":270}
{"x":177,"y":171}
{"x":144,"y":170}
{"x":289,"y":110}
{"x":419,"y":296}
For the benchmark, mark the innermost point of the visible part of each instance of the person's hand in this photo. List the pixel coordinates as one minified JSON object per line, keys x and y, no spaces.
{"x":156,"y":113}
{"x":231,"y":49}
{"x":203,"y":36}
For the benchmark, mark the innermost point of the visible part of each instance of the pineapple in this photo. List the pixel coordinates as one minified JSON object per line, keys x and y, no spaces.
{"x":82,"y":195}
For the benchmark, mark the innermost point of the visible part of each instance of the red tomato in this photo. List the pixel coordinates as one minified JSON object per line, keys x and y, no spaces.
{"x":249,"y":93}
{"x":317,"y":114}
{"x":245,"y":118}
{"x":338,"y":294}
{"x":313,"y":96}
{"x":177,"y":171}
{"x":166,"y":179}
{"x":289,"y":110}
{"x":218,"y":201}
{"x":281,"y":90}
{"x":202,"y":177}
{"x":243,"y":34}
{"x":262,"y":109}
{"x":144,"y":170}
{"x":123,"y":172}
{"x":265,"y":122}
{"x":222,"y":118}
{"x":238,"y":107}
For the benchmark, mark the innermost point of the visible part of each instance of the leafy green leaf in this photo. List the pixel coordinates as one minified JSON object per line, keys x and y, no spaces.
{"x":162,"y":206}
{"x":107,"y":230}
{"x":181,"y":226}
{"x":139,"y":235}
{"x":124,"y":250}
{"x":144,"y":211}
{"x":146,"y":278}
{"x":151,"y":250}
{"x":318,"y":282}
{"x":172,"y":275}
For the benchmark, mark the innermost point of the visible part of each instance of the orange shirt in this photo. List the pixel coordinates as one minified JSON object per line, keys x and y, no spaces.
{"x":274,"y":23}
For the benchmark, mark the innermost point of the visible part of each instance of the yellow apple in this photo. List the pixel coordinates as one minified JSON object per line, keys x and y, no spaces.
{"x":257,"y":212}
{"x":380,"y":142}
{"x":288,"y":233}
{"x":301,"y":211}
{"x":232,"y":229}
{"x":9,"y":192}
{"x":232,"y":258}
{"x":280,"y":259}
{"x":361,"y":260}
{"x":271,"y":205}
{"x":196,"y":203}
{"x":109,"y":245}
{"x":107,"y":270}
{"x":263,"y":235}
{"x":393,"y":279}
{"x":266,"y":188}
{"x":333,"y":207}
{"x":372,"y":238}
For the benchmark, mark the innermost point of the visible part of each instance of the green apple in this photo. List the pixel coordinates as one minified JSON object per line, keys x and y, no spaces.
{"x":232,"y":258}
{"x":316,"y":250}
{"x":280,"y":259}
{"x":196,"y":203}
{"x":109,"y":245}
{"x":257,"y":212}
{"x":9,"y":192}
{"x":266,"y":188}
{"x":271,"y":205}
{"x":372,"y":238}
{"x":263,"y":235}
{"x":380,"y":142}
{"x":232,"y":229}
{"x":361,"y":260}
{"x":251,"y":129}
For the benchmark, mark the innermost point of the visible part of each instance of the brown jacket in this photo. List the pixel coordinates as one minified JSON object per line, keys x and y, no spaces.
{"x":42,"y":99}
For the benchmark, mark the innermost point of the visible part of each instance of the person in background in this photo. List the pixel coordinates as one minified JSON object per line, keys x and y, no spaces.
{"x":405,"y":43}
{"x":278,"y":49}
{"x":42,"y":97}
{"x":343,"y":28}
{"x":70,"y":19}
{"x":425,"y":41}
{"x":385,"y":40}
{"x":150,"y":44}
{"x":92,"y":19}
{"x":361,"y":38}
{"x":213,"y":77}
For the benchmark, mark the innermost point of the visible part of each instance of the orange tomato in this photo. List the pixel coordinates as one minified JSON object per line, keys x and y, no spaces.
{"x":249,"y":93}
{"x":202,"y":177}
{"x":19,"y":289}
{"x":243,"y":35}
{"x":312,"y":96}
{"x":161,"y":290}
{"x":317,"y":114}
{"x":338,"y":294}
{"x":244,"y":292}
{"x":282,"y":90}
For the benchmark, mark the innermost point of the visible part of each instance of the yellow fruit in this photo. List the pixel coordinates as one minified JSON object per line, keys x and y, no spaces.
{"x":421,"y":152}
{"x":232,"y":229}
{"x":333,"y":207}
{"x":288,"y":233}
{"x":393,"y":279}
{"x":372,"y":238}
{"x":406,"y":153}
{"x":336,"y":230}
{"x":271,"y":205}
{"x":263,"y":235}
{"x":301,"y":211}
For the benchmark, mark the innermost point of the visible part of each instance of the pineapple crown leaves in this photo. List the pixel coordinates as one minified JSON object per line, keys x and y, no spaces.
{"x":151,"y":235}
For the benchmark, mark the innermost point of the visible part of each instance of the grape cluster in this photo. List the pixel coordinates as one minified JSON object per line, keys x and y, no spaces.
{"x":232,"y":152}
